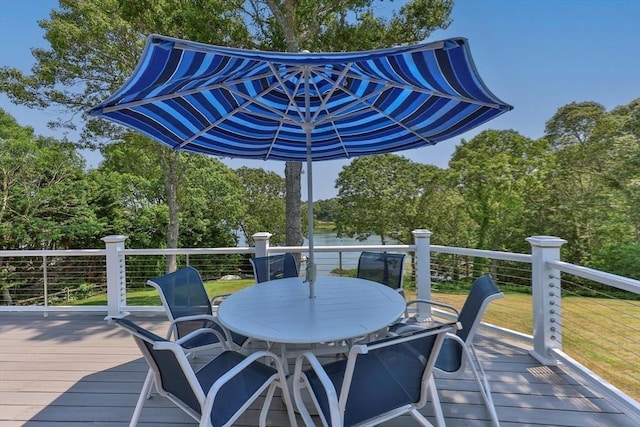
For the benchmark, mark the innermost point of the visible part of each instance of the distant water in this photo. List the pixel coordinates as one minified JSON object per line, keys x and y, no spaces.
{"x":330,"y":260}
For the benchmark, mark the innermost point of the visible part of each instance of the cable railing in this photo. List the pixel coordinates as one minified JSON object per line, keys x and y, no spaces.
{"x":573,"y":304}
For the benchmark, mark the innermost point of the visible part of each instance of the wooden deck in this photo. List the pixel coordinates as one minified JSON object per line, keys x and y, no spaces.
{"x":77,"y":370}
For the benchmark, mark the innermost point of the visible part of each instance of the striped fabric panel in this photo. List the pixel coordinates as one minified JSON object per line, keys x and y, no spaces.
{"x":256,"y":104}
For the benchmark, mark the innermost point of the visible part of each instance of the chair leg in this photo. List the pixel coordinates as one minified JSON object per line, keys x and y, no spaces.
{"x":286,"y":397}
{"x":483,"y":383}
{"x":420,"y":418}
{"x":144,"y":395}
{"x":435,"y":402}
{"x":267,"y":403}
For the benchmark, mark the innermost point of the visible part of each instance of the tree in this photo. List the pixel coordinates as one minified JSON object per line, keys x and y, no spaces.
{"x":389,"y":196}
{"x":493,"y":172}
{"x":212,"y":200}
{"x":95,"y":45}
{"x":622,"y":161}
{"x":591,"y":187}
{"x":43,"y":194}
{"x":209,"y":196}
{"x":326,"y":210}
{"x":263,"y":198}
{"x":332,"y":25}
{"x":573,"y":124}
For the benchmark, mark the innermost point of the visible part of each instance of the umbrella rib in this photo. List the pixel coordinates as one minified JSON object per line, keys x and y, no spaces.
{"x":413,"y":88}
{"x":230,"y":114}
{"x":178,"y":94}
{"x":209,"y":127}
{"x":349,"y":105}
{"x":249,"y":100}
{"x":284,"y":117}
{"x":344,"y":147}
{"x":285,"y":91}
{"x":378,"y":110}
{"x":337,"y":82}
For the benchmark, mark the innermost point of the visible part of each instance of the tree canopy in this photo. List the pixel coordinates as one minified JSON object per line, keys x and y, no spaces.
{"x":581,"y":181}
{"x":94,"y":46}
{"x":499,"y":188}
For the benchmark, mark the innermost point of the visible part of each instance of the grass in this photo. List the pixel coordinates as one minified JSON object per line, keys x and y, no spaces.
{"x":593,"y":326}
{"x":149,"y":295}
{"x":328,"y":227}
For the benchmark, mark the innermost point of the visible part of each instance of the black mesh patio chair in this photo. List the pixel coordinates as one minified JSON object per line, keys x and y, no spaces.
{"x":274,"y":267}
{"x":188,"y":308}
{"x":219,"y":392}
{"x":377,"y":381}
{"x":458,"y":351}
{"x":382,"y":267}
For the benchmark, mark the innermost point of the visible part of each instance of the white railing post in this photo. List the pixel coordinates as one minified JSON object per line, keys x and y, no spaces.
{"x":262,"y":243}
{"x":545,"y":282}
{"x":423,"y":270}
{"x":116,"y":276}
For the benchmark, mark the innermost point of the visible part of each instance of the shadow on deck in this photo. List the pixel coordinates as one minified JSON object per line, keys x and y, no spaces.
{"x":74,"y":369}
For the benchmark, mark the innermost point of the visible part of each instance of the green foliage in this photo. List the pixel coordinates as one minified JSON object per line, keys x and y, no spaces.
{"x":264,"y":201}
{"x":573,"y":124}
{"x":620,"y":259}
{"x":95,"y":44}
{"x":211,"y":202}
{"x":580,"y":182}
{"x":592,"y":191}
{"x":391,"y":195}
{"x":334,"y":26}
{"x":85,"y":290}
{"x":494,"y":173}
{"x":326,"y":210}
{"x":44,"y":194}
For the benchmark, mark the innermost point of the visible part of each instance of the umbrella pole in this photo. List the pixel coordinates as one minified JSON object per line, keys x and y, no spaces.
{"x":311,"y":265}
{"x":307,"y":125}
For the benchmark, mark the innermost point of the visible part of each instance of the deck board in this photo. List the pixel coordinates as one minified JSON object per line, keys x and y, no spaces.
{"x":76,"y":370}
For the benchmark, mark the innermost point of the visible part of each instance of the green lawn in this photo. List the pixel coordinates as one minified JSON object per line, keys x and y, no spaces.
{"x":149,"y":295}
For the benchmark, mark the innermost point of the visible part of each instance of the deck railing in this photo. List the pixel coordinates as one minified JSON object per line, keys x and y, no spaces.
{"x":545,"y":321}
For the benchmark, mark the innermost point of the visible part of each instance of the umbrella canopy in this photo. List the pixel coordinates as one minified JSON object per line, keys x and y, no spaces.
{"x":301,"y":106}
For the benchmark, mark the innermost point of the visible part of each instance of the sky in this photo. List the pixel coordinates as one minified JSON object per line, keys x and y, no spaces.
{"x":537,"y":55}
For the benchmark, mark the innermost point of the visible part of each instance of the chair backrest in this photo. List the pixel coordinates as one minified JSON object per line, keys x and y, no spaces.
{"x":382,"y":267}
{"x":390,"y":373}
{"x":168,"y":364}
{"x":183,"y":294}
{"x":274,"y":267}
{"x":483,"y":291}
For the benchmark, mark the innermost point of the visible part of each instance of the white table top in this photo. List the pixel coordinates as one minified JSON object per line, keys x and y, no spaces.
{"x":281,"y":310}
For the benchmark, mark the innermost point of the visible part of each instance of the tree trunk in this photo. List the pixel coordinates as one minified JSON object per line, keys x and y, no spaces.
{"x":171,"y":176}
{"x":292,"y":173}
{"x":285,"y":16}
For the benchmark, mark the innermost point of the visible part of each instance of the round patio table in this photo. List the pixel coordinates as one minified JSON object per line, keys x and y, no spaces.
{"x":281,"y":311}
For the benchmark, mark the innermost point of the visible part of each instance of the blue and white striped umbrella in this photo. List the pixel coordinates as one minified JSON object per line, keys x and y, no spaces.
{"x":301,"y":106}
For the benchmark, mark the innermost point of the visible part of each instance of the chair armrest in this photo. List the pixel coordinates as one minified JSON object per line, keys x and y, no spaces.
{"x":236,"y":370}
{"x":223,"y":340}
{"x":217,"y":299}
{"x":208,"y":317}
{"x":300,"y":380}
{"x":196,"y":317}
{"x":435,"y":303}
